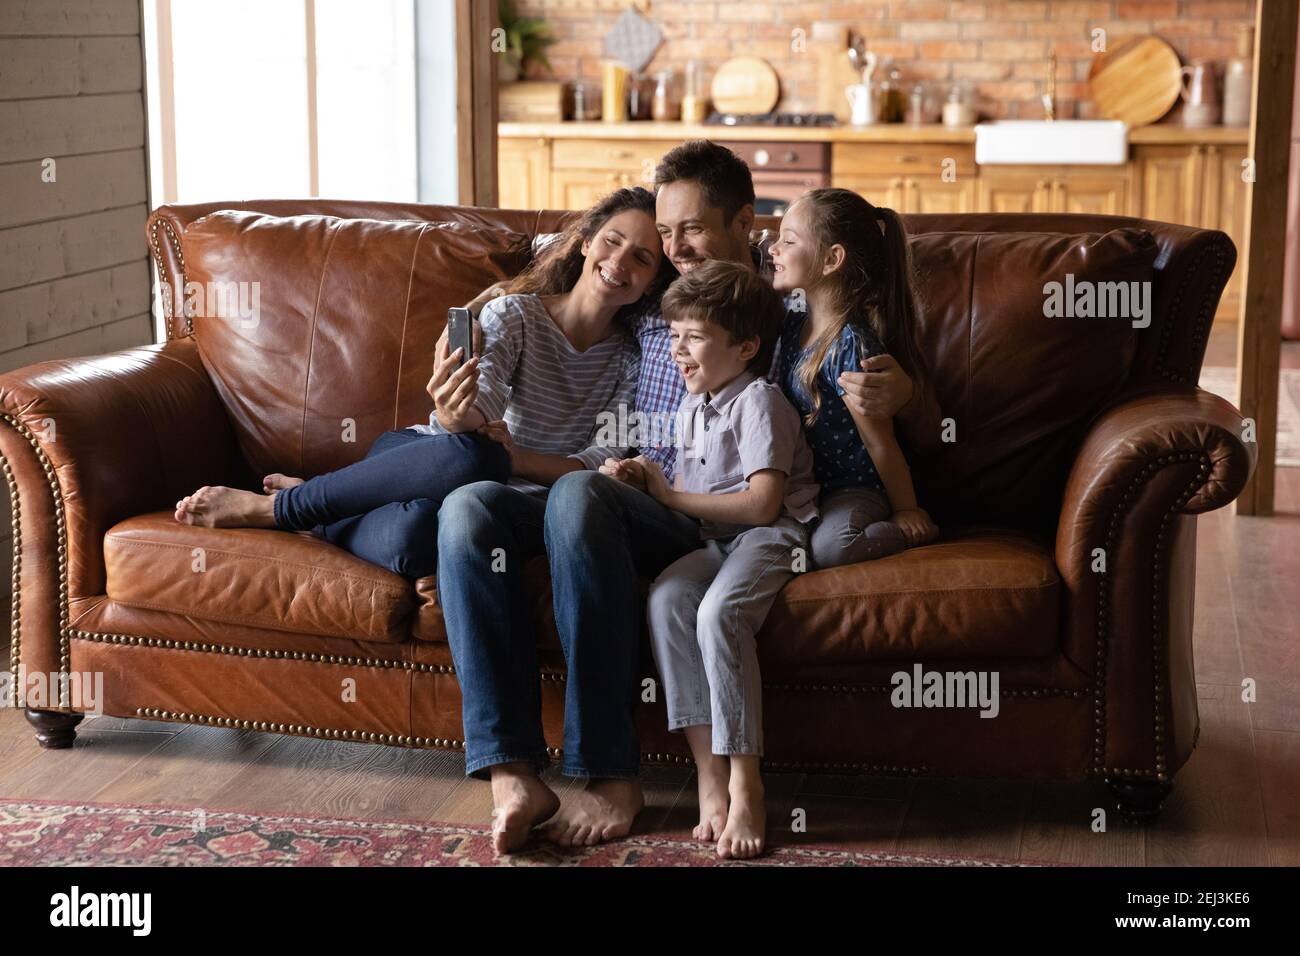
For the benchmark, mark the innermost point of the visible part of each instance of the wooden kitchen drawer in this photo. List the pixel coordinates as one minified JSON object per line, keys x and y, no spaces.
{"x":890,"y":159}
{"x":628,"y":155}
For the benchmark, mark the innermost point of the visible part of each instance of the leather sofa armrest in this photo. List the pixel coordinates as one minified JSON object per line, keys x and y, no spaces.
{"x":1126,"y":553}
{"x":87,"y":443}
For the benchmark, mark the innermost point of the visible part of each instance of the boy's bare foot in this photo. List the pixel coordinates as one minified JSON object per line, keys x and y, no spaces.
{"x":520,"y":801}
{"x":218,"y":507}
{"x":603,"y":811}
{"x":711,"y":776}
{"x":744,"y":836}
{"x":279,"y":482}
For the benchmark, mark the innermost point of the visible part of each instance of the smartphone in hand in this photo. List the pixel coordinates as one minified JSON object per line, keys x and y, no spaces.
{"x":460,"y":333}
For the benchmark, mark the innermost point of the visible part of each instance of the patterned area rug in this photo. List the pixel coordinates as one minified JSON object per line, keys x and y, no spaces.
{"x":45,"y":833}
{"x":1222,"y":381}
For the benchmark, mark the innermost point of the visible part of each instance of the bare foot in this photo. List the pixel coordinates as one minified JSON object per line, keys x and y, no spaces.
{"x":218,"y":507}
{"x":744,"y":836}
{"x":711,"y":776}
{"x":520,"y":801}
{"x":279,"y":482}
{"x":603,"y":811}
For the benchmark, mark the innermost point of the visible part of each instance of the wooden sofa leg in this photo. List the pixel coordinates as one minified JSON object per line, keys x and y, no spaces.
{"x":55,"y":729}
{"x":1139,"y":800}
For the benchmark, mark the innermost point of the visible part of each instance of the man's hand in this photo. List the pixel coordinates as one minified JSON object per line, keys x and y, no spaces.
{"x":916,"y":526}
{"x":453,"y":390}
{"x":627,"y":470}
{"x":880,"y":391}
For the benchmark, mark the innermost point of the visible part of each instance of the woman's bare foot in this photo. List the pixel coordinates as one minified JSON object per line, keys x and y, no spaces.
{"x":603,"y":811}
{"x":745,"y":834}
{"x":712,"y":772}
{"x":218,"y":507}
{"x":279,"y":482}
{"x":520,"y":801}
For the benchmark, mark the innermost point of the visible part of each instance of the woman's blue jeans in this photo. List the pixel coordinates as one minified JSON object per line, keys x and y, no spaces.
{"x":384,"y":508}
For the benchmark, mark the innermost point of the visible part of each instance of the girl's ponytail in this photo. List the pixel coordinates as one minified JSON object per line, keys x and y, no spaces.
{"x":899,"y":325}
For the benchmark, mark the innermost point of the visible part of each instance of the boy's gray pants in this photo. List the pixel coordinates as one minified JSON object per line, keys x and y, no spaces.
{"x":704,"y":610}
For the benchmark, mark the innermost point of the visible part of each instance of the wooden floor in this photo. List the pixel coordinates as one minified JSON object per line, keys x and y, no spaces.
{"x":1237,"y":802}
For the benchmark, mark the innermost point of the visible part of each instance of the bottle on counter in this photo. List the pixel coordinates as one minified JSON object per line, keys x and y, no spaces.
{"x":614,"y":101}
{"x":1237,"y":80}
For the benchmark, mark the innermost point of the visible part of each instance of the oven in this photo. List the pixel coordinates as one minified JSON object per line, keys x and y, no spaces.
{"x":783,"y":171}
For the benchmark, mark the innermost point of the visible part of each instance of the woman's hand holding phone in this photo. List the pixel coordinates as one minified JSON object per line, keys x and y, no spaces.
{"x":454,"y":389}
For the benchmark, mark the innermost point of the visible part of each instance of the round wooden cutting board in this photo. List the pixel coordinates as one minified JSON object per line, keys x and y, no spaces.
{"x":1137,"y":81}
{"x":745,"y":84}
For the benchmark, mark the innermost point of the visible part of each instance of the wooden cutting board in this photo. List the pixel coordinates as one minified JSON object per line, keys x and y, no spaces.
{"x":745,"y":84}
{"x":1137,"y":81}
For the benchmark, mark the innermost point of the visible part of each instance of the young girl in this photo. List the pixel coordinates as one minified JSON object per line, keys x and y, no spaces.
{"x":851,"y":263}
{"x":530,"y":413}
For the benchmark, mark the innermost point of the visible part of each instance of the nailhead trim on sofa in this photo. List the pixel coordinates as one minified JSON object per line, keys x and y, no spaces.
{"x":1103,"y":600}
{"x":162,"y":275}
{"x":61,"y":536}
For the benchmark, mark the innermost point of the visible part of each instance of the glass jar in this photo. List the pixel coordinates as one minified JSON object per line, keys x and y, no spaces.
{"x":586,"y":102}
{"x":695,"y":103}
{"x":916,"y":111}
{"x":892,"y":106}
{"x":665,"y":108}
{"x":640,"y":96}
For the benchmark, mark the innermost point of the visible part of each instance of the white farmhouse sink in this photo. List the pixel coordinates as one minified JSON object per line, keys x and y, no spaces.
{"x":1084,"y":142}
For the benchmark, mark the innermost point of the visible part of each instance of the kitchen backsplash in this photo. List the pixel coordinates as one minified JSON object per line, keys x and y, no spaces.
{"x":1000,"y":46}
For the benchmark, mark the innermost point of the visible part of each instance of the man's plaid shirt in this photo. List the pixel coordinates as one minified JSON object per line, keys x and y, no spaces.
{"x":660,"y":388}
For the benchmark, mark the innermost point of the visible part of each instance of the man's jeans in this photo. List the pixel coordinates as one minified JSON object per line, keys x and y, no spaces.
{"x":384,"y":508}
{"x":600,"y":536}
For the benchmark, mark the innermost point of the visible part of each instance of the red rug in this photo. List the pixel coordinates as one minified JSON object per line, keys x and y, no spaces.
{"x":46,"y":833}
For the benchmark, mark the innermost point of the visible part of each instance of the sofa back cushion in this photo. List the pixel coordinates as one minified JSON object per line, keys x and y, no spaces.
{"x":319,"y":332}
{"x":1018,"y":371}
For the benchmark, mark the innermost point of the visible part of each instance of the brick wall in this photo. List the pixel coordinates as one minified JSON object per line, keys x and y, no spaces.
{"x":1001,"y":46}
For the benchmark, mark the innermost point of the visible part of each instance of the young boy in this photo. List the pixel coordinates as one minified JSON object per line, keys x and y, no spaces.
{"x":745,"y":472}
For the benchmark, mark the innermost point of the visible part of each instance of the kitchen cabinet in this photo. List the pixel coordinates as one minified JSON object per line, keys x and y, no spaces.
{"x":584,"y":171}
{"x":1170,"y":180}
{"x":1013,"y":189}
{"x":524,"y":173}
{"x":877,"y":190}
{"x":1197,"y":185}
{"x":1100,"y":191}
{"x":583,"y":188}
{"x":908,"y":194}
{"x":908,"y":177}
{"x":1223,"y":206}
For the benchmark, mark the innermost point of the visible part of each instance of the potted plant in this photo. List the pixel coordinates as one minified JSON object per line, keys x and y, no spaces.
{"x":526,"y":41}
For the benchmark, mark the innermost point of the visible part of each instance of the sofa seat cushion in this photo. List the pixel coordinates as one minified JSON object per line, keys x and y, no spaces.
{"x":976,"y":593}
{"x":263,"y":578}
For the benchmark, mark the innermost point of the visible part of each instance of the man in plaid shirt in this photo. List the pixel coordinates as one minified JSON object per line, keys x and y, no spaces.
{"x":603,"y":535}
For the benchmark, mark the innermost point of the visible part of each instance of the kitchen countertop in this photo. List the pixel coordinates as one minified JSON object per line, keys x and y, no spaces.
{"x":1166,"y":133}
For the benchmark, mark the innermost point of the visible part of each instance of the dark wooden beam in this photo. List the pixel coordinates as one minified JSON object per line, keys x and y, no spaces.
{"x":1259,"y":331}
{"x":476,"y":102}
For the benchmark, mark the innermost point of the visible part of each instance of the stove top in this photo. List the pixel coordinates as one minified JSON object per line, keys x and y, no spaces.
{"x":771,"y":119}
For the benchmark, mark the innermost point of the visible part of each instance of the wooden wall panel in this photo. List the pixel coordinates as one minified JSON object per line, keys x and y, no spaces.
{"x":74,"y":272}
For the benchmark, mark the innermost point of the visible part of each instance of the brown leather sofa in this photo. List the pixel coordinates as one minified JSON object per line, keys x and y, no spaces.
{"x":1080,"y":452}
